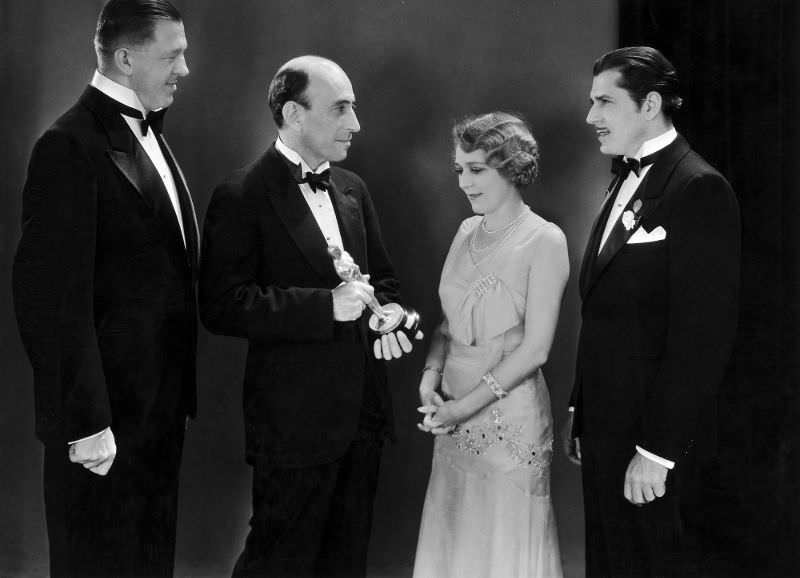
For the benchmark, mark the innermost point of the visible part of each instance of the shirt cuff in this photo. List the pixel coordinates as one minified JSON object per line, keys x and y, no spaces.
{"x":88,"y":437}
{"x":657,"y":459}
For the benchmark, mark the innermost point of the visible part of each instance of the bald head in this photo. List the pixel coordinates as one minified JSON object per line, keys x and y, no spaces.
{"x":314,"y":107}
{"x":292,"y":80}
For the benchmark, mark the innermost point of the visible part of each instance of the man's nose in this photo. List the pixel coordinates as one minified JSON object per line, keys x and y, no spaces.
{"x":352,"y":122}
{"x":591,"y":116}
{"x":182,"y":69}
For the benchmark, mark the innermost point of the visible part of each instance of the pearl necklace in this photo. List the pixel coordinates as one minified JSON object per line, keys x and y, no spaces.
{"x":509,"y":229}
{"x":504,"y":227}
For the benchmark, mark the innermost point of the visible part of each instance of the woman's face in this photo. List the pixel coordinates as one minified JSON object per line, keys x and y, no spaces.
{"x":487,"y":190}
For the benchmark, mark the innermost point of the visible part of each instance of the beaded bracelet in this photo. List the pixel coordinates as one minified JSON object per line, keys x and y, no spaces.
{"x":494,"y":386}
{"x":432,"y":368}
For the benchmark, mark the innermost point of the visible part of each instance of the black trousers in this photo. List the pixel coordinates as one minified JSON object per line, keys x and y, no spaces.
{"x":623,"y":539}
{"x":313,"y":521}
{"x":118,"y":525}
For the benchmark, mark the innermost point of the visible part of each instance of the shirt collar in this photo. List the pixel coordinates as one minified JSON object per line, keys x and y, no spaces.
{"x":295,"y":157}
{"x":118,"y":92}
{"x":656,"y":144}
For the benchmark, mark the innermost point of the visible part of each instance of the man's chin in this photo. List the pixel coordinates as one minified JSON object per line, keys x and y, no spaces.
{"x":610,"y":151}
{"x":163,"y":102}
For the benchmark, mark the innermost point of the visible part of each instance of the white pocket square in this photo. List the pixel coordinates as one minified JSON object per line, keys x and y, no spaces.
{"x":642,"y":236}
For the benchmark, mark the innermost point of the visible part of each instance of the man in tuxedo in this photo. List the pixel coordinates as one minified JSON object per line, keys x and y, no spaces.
{"x":316,"y":400}
{"x":104,"y":290}
{"x":659,"y":284}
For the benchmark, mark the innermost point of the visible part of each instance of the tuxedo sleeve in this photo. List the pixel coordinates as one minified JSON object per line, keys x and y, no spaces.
{"x":703,"y":276}
{"x":235,"y":297}
{"x":53,"y":287}
{"x":382,"y":276}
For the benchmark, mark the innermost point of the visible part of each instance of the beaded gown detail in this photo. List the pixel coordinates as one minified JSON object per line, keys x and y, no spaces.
{"x":488,"y":511}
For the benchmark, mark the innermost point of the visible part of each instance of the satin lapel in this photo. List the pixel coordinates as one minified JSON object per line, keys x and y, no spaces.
{"x":650,"y":193}
{"x":134,"y":164}
{"x":351,"y":224}
{"x":189,"y":217}
{"x":617,"y":238}
{"x":142,"y":175}
{"x":593,"y":243}
{"x":125,"y":151}
{"x":293,"y":211}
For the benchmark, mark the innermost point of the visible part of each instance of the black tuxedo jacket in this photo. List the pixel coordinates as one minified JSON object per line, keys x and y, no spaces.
{"x":659,"y":318}
{"x":104,"y":288}
{"x":266,"y":276}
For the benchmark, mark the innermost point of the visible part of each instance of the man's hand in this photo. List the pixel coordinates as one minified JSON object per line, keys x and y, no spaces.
{"x":572,"y":446}
{"x":393,"y":345}
{"x":645,"y":480}
{"x":350,"y":299}
{"x":96,"y":454}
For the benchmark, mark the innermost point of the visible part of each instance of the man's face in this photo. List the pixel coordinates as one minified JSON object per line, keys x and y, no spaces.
{"x":158,"y":64}
{"x":619,"y":121}
{"x":327,"y":126}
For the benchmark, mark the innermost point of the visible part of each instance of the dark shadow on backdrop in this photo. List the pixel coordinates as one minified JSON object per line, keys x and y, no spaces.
{"x":738,"y":65}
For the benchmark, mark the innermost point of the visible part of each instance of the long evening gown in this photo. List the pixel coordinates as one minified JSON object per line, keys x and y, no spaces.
{"x":488,"y":511}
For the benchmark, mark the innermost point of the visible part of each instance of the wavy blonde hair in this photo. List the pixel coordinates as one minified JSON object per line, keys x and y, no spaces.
{"x":506,"y":139}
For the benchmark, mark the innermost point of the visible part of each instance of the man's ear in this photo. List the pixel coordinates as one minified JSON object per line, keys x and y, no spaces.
{"x":292,"y":116}
{"x":122,"y":60}
{"x":652,"y":104}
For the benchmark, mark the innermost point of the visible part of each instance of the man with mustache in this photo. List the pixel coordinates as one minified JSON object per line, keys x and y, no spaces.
{"x":659,"y":285}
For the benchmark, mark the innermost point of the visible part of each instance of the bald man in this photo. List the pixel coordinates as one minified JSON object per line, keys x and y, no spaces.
{"x":316,"y":401}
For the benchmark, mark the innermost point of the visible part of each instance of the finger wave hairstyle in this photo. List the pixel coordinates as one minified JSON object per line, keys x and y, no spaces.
{"x":506,"y":139}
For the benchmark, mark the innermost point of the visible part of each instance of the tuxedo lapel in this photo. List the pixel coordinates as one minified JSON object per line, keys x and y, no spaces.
{"x":650,"y":194}
{"x":143,"y":177}
{"x":295,"y":214}
{"x":351,"y":226}
{"x":619,"y":235}
{"x":593,"y":243}
{"x":133,"y":163}
{"x":188,"y":215}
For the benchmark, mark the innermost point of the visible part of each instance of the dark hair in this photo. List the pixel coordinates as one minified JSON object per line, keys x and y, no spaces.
{"x":289,"y":84}
{"x":507,"y":141}
{"x":130,"y":22}
{"x":643,"y":70}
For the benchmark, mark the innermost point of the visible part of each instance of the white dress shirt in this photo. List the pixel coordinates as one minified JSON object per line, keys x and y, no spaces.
{"x":318,"y":201}
{"x":632,"y":183}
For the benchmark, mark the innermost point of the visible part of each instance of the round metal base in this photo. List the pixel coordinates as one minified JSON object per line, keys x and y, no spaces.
{"x":396,"y":318}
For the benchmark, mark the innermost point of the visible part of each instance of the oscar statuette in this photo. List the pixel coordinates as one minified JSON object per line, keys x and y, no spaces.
{"x":384,"y":318}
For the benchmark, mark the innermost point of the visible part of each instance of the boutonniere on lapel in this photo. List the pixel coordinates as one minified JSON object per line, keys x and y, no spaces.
{"x":631,"y":217}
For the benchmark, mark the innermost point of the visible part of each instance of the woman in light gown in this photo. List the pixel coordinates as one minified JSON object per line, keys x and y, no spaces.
{"x":488,"y":511}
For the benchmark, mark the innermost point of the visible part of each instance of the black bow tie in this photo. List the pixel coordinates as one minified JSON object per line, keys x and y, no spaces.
{"x":315,"y":180}
{"x":154,"y":118}
{"x":622,"y":166}
{"x":320,"y":181}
